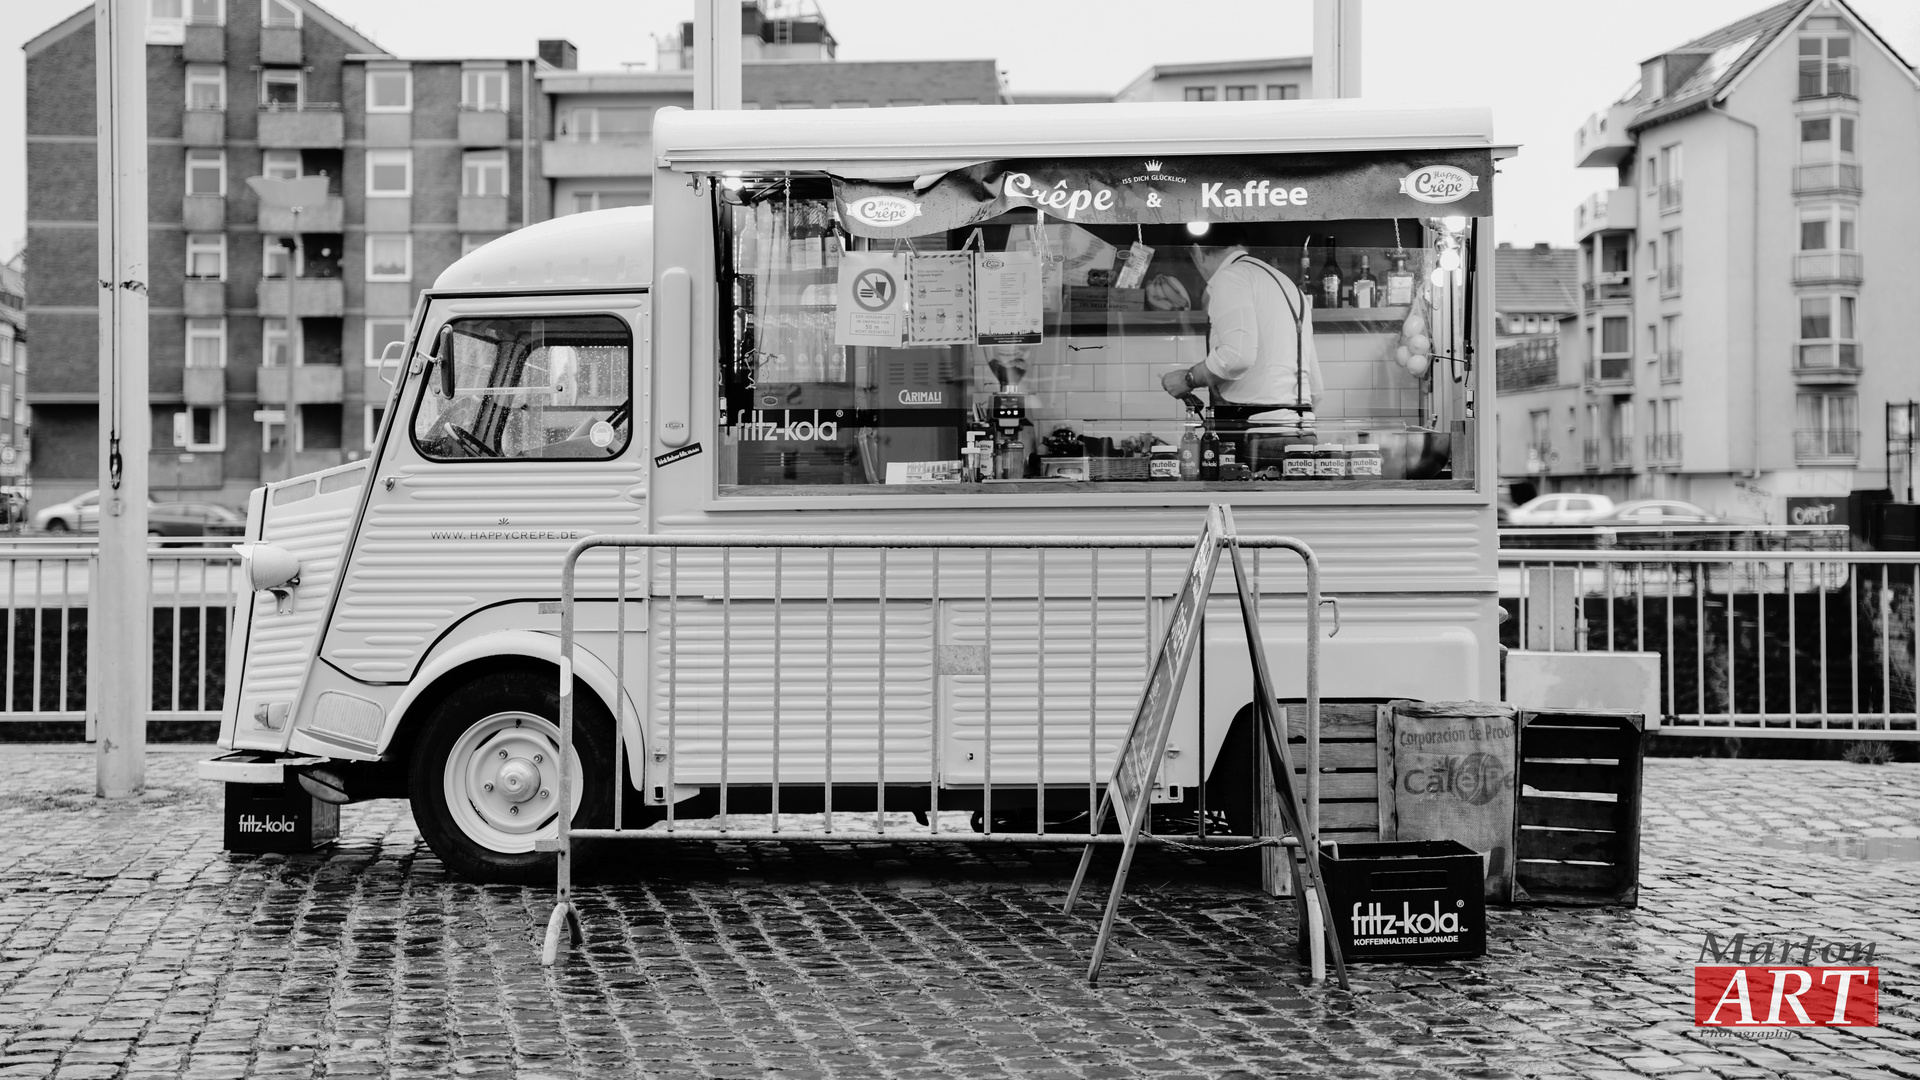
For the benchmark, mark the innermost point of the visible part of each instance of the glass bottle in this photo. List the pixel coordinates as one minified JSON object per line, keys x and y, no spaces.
{"x":1399,"y":281}
{"x":1190,"y":451}
{"x":1209,"y":449}
{"x":1364,"y":286}
{"x":1307,"y":284}
{"x":1331,"y":279}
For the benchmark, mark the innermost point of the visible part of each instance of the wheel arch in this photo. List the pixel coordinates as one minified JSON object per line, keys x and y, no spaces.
{"x":462,"y":661}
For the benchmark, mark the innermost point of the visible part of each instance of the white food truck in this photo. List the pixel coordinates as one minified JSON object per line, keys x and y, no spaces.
{"x":953,"y":322}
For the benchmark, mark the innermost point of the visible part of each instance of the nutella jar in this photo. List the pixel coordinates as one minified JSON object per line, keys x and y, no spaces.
{"x":1363,"y":461}
{"x":1330,"y":461}
{"x":1298,"y":462}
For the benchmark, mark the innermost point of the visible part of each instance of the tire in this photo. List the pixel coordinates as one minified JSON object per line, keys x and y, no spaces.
{"x":503,"y":729}
{"x":58,"y":525}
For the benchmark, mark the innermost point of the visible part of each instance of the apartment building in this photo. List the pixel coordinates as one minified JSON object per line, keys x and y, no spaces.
{"x":249,"y":347}
{"x":1745,"y":311}
{"x":14,"y":441}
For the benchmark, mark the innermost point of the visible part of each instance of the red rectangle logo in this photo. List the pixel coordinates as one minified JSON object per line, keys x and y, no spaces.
{"x":1786,"y":996}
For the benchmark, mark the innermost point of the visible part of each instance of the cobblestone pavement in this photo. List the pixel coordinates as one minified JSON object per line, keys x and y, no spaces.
{"x":133,"y":946}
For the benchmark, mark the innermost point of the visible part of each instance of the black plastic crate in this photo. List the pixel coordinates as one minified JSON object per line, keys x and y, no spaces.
{"x":1577,"y":834}
{"x":277,"y":817}
{"x":1408,"y":900}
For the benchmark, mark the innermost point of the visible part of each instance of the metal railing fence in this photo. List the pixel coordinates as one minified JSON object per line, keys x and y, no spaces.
{"x":795,"y":678}
{"x":1760,"y":644}
{"x":47,"y":587}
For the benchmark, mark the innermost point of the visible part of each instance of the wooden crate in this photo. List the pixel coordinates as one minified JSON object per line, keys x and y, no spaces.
{"x":1349,"y":778}
{"x":1577,"y":833}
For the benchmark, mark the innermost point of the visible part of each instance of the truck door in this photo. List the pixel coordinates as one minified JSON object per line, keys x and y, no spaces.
{"x":524,"y":434}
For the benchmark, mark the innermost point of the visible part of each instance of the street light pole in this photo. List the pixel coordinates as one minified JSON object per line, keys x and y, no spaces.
{"x":293,"y":383}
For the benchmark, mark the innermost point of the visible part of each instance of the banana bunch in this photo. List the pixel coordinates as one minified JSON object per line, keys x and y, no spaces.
{"x":1165,"y":293}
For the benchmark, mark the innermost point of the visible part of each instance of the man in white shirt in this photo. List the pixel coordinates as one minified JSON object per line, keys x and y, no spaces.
{"x":1260,"y":329}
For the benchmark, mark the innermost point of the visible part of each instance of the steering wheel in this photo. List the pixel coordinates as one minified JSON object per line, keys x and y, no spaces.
{"x":471,"y":441}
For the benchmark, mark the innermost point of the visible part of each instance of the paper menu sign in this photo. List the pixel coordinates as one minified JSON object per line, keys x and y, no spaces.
{"x":870,"y":304}
{"x":940,"y":309}
{"x":1007,"y":303}
{"x":923,"y":472}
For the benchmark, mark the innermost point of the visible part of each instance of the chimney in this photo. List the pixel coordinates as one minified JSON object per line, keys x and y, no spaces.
{"x":1506,"y":243}
{"x":559,"y":53}
{"x":1543,"y":248}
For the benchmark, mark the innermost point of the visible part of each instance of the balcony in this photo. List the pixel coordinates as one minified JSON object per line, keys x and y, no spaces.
{"x":1604,"y":141}
{"x":483,"y":213}
{"x":1663,"y":449}
{"x":204,"y":385}
{"x":1611,"y":285}
{"x":204,"y":298}
{"x":1670,"y":196}
{"x":206,"y":43}
{"x":312,"y":384}
{"x":1590,"y":453}
{"x":1826,"y":446}
{"x":1620,"y":451}
{"x":203,"y":127}
{"x":328,"y":217}
{"x":566,"y":158}
{"x":1827,"y":178}
{"x":281,"y":45}
{"x":1826,"y":362}
{"x":482,"y":128}
{"x":1838,"y":80}
{"x":203,"y":213}
{"x":1606,"y":210}
{"x":312,"y":125}
{"x":312,"y":298}
{"x":1670,"y":365}
{"x":1828,"y":268}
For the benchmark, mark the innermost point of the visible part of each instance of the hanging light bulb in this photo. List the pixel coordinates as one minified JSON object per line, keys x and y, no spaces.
{"x":733,"y":181}
{"x":1450,"y":259}
{"x":1455,"y":225}
{"x":1198,"y":228}
{"x":1438,"y":278}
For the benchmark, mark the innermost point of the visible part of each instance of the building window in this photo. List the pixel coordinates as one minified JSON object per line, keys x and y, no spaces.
{"x":281,"y":164}
{"x":381,"y":334}
{"x":1670,"y":357}
{"x":471,"y":242}
{"x":484,"y":173}
{"x":206,"y":87}
{"x":389,"y":257}
{"x":1826,"y":426}
{"x":389,"y":91}
{"x":1615,"y":360}
{"x":1203,"y":93}
{"x":1243,"y":93}
{"x":584,"y":201}
{"x":282,"y":88}
{"x":207,"y":12}
{"x":1283,"y":91}
{"x":206,"y":172}
{"x":284,"y":14}
{"x":483,"y":90}
{"x":1828,"y":340}
{"x":207,"y":257}
{"x":605,"y":125}
{"x":276,"y":345}
{"x":1818,"y":142}
{"x":1663,"y":445}
{"x":206,"y":343}
{"x":1670,"y":178}
{"x":371,"y":417}
{"x":1826,"y":64}
{"x":319,"y":427}
{"x":206,"y":427}
{"x":165,"y":10}
{"x":389,"y":173}
{"x":276,"y":254}
{"x":1670,"y":273}
{"x":1827,"y":228}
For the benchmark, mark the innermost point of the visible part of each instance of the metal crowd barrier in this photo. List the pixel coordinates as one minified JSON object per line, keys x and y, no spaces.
{"x":47,"y":588}
{"x":788,"y":654}
{"x":1752,"y":644}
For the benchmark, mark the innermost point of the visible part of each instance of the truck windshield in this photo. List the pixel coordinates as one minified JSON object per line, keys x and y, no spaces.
{"x":527,"y":387}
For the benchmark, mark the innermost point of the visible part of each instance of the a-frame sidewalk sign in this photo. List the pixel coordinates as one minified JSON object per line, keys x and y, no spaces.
{"x":1130,"y":788}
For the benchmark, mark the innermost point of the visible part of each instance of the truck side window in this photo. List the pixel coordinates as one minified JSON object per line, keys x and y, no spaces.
{"x":532,"y":387}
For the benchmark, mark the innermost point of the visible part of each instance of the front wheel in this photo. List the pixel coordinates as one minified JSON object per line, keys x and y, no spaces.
{"x":484,"y":781}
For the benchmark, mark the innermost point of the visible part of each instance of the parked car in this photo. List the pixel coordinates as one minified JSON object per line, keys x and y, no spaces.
{"x":81,"y":514}
{"x":1564,"y":508}
{"x":1658,"y":512}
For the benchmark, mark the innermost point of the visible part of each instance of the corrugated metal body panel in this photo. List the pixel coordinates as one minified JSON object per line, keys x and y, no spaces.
{"x":309,"y":519}
{"x":750,"y":668}
{"x":450,"y":538}
{"x":996,"y":672}
{"x":1361,"y":549}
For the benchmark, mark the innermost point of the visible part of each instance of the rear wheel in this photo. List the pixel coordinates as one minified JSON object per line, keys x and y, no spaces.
{"x":57,"y":525}
{"x":484,"y":781}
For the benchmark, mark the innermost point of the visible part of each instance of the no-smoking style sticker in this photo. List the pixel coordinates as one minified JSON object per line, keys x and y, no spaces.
{"x":872,"y":308}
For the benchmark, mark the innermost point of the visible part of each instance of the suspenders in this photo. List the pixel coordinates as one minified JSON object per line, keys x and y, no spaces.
{"x":1299,"y":335}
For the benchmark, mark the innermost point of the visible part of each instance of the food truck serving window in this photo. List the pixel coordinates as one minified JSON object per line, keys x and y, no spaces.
{"x":1277,"y":320}
{"x":530,"y":387}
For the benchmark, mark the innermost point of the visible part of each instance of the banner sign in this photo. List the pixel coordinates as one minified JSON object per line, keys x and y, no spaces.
{"x":1173,"y":190}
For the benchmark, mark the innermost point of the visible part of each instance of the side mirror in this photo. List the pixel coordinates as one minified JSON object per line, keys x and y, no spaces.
{"x":443,"y":361}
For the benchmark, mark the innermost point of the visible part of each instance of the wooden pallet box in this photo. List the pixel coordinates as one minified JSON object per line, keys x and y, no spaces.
{"x":1577,"y":833}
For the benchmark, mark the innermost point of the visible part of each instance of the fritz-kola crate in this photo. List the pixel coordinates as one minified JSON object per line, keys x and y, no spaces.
{"x":278,"y":817}
{"x":1410,"y":900}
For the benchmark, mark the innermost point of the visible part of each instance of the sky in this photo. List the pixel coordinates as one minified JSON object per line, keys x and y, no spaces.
{"x":1541,"y":65}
